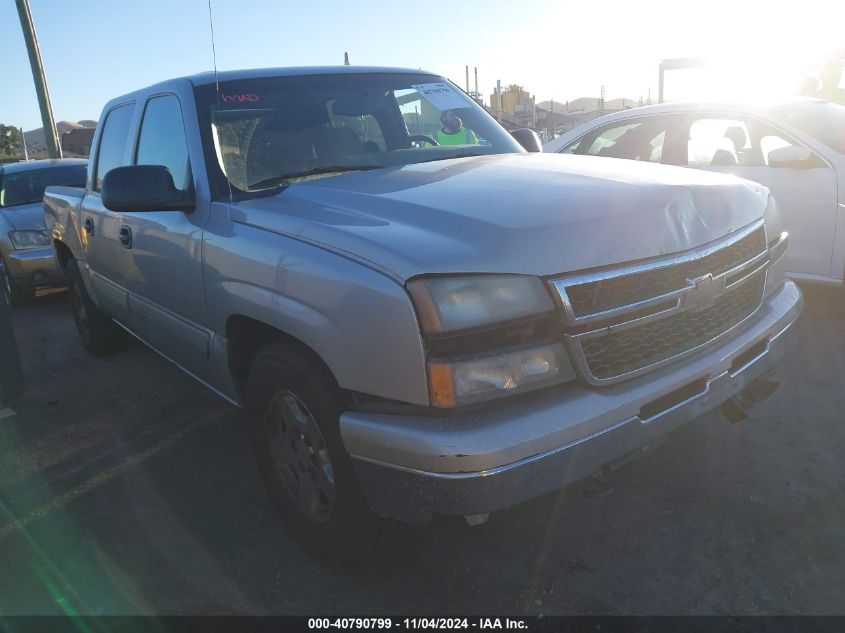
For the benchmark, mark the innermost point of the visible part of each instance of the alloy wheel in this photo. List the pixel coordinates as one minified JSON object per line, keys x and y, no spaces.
{"x":301,"y":456}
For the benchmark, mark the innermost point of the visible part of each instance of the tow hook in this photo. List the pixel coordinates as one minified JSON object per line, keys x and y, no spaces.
{"x":736,"y":408}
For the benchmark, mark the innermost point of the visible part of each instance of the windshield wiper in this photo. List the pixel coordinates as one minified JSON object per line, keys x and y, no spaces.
{"x":332,"y":169}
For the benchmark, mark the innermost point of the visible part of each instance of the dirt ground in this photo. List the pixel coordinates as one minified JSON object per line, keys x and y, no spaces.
{"x":126,"y":487}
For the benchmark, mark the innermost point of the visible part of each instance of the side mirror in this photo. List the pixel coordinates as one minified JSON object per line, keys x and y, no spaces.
{"x":528,"y":139}
{"x":144,"y":188}
{"x":791,"y":156}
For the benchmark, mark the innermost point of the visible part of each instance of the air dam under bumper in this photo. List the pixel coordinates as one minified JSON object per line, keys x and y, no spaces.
{"x":411,"y":467}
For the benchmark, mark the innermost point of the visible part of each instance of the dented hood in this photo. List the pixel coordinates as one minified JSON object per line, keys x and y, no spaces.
{"x":539,"y":214}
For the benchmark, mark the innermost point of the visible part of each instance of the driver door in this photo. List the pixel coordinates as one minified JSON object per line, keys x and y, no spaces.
{"x":164,"y":248}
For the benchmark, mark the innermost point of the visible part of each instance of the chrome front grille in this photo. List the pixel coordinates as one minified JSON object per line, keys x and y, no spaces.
{"x":609,"y":292}
{"x":624,"y":322}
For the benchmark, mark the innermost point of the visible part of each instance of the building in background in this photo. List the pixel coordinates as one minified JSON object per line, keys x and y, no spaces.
{"x":557,"y":117}
{"x":36,"y":144}
{"x":514,"y":107}
{"x":510,"y":100}
{"x":77,"y":142}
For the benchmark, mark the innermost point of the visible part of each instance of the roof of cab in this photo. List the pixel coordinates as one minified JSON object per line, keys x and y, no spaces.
{"x":34,"y":165}
{"x":206,"y":78}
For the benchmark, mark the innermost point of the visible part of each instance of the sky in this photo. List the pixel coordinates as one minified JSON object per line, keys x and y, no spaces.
{"x":94,"y":50}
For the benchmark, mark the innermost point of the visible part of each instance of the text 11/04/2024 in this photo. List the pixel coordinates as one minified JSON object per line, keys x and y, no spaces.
{"x":430,"y":623}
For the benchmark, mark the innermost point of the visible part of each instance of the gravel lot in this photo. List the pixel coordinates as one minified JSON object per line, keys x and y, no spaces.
{"x":125,"y":487}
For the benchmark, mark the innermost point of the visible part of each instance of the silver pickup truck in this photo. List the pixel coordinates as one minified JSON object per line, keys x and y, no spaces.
{"x":419,"y":316}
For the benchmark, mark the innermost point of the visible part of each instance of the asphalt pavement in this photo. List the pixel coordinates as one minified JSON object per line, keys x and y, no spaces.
{"x":127,"y":488}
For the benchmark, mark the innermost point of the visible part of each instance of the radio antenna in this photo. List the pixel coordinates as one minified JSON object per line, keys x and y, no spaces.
{"x":213,"y":50}
{"x":217,"y":95}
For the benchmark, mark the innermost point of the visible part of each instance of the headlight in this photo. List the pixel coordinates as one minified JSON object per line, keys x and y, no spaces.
{"x":29,"y":239}
{"x":488,"y":336}
{"x":447,"y":304}
{"x":475,"y":380}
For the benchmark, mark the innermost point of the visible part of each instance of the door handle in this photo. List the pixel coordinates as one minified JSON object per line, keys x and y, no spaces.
{"x":124,"y":234}
{"x":88,"y":224}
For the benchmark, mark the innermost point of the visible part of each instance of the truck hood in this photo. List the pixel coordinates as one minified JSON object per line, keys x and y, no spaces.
{"x":539,"y":214}
{"x":25,"y":217}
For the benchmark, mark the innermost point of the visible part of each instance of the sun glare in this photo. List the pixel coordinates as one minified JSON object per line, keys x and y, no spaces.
{"x":761,"y":54}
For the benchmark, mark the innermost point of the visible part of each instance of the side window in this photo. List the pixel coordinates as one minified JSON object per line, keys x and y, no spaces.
{"x":162,"y":140}
{"x":572,"y":148}
{"x":771,"y":142}
{"x":113,"y":142}
{"x":640,"y":140}
{"x":719,"y":143}
{"x":768,"y":139}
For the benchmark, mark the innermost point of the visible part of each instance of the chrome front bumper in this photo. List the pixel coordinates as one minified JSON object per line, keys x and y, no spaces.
{"x":34,"y":267}
{"x":411,"y":467}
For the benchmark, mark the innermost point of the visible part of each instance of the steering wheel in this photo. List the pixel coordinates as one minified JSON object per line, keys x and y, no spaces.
{"x":422,"y":138}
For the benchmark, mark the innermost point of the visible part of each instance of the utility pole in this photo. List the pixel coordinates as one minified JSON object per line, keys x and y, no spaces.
{"x":477,"y":94}
{"x":467,"y":69}
{"x":499,"y":100}
{"x":346,"y":59}
{"x":601,"y":103}
{"x":51,"y":136}
{"x":23,"y":140}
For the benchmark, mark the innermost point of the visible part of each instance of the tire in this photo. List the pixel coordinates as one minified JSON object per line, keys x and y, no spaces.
{"x":99,"y":334}
{"x":13,"y":293}
{"x":293,"y":412}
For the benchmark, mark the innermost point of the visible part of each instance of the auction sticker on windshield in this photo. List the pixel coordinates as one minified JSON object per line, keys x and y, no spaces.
{"x":441,"y":96}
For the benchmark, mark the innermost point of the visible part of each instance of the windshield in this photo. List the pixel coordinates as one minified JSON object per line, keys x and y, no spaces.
{"x":27,"y":187}
{"x":822,"y":120}
{"x":267,"y":132}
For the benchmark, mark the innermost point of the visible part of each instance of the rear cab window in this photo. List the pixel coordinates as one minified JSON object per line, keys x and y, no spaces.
{"x":111,"y":152}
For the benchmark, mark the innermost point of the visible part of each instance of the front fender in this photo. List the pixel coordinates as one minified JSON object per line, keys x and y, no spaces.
{"x":360,"y":322}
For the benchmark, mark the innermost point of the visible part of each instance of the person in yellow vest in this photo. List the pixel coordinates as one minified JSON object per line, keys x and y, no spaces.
{"x":453,"y":131}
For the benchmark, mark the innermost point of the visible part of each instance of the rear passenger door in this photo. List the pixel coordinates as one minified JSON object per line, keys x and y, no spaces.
{"x":106,"y":260}
{"x":164,"y":276}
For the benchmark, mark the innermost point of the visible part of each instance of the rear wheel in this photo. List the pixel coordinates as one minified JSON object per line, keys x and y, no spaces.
{"x":293,"y":411}
{"x":13,"y":293}
{"x":99,"y":334}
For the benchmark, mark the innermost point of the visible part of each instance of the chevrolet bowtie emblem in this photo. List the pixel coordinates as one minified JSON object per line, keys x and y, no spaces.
{"x":704,"y":293}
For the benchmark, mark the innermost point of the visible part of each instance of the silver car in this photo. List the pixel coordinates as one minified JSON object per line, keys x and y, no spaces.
{"x":27,"y":259}
{"x":796,"y":148}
